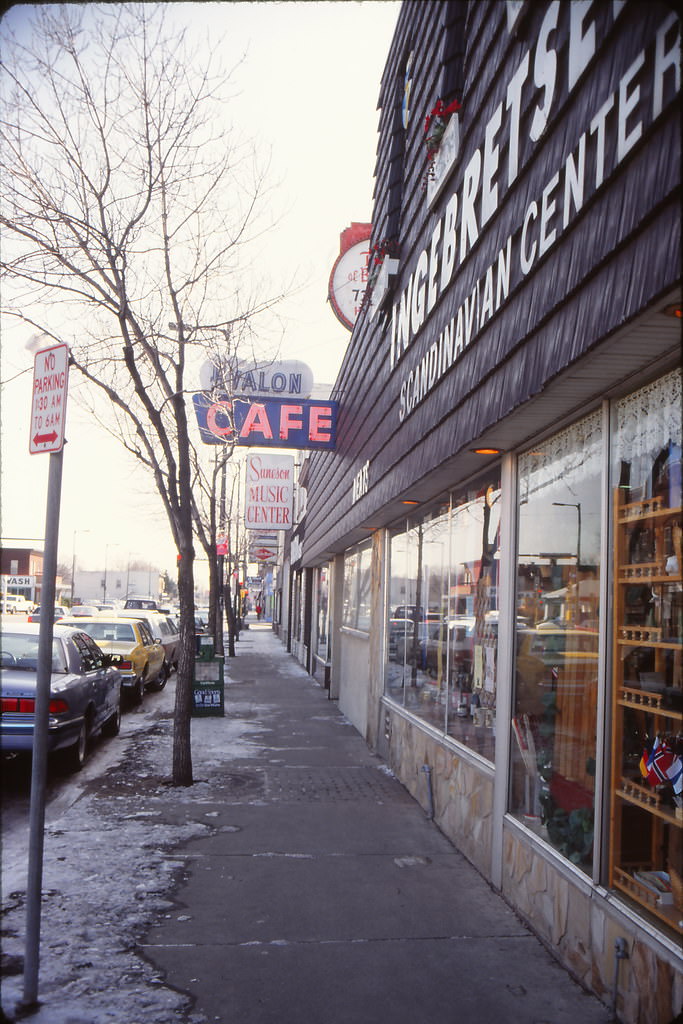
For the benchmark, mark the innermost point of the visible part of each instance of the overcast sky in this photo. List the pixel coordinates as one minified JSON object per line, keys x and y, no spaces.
{"x":308,"y":91}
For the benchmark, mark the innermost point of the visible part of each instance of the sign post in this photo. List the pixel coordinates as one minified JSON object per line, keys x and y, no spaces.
{"x":48,"y":413}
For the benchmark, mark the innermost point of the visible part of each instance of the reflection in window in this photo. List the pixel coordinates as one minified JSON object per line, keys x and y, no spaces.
{"x":442,"y":630}
{"x":322,"y":612}
{"x":356,"y":595}
{"x":556,"y":664}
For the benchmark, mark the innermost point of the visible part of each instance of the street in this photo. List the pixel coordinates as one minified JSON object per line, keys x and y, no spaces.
{"x":98,"y":892}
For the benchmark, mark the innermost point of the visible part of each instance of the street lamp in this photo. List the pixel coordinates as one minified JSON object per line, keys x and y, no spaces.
{"x":577,"y":506}
{"x":104,"y":582}
{"x":73,"y":564}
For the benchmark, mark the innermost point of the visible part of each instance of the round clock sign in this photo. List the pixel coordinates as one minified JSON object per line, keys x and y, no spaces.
{"x":349,"y":278}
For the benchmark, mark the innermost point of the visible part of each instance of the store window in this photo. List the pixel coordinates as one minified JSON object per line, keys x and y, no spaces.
{"x":473,"y":622}
{"x":356,"y":596}
{"x":322,"y":613}
{"x":418,"y":620}
{"x":442,"y":630}
{"x":647,"y":823}
{"x":556,"y":664}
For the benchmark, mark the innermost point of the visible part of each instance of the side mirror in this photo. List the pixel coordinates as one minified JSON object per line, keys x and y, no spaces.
{"x":113,"y":659}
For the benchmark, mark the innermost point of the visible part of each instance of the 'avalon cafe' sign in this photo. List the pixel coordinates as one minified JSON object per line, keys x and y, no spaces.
{"x":270,"y":423}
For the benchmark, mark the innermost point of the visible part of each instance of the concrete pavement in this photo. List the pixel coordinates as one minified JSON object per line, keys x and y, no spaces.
{"x":323,"y":894}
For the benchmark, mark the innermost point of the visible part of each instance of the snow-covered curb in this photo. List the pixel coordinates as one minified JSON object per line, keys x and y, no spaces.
{"x":110,"y":869}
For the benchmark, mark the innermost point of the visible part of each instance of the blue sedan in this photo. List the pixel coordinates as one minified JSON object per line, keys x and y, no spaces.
{"x":85,"y":691}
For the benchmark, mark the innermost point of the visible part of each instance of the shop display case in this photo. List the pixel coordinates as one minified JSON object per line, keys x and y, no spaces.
{"x":647,"y":805}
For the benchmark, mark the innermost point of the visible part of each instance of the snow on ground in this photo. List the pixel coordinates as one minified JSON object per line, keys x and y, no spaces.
{"x":110,"y":869}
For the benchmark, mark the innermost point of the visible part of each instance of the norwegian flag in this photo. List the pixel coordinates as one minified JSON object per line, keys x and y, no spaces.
{"x":663,"y":765}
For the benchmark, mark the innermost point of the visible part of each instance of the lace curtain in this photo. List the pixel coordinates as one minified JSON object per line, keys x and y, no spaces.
{"x":568,"y":455}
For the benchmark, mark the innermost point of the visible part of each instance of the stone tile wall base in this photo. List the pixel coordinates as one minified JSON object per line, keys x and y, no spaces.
{"x":582,"y":929}
{"x":579,"y":927}
{"x":463,"y":795}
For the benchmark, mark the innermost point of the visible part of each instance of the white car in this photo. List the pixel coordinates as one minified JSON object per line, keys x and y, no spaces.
{"x":164,"y":631}
{"x":16,"y":603}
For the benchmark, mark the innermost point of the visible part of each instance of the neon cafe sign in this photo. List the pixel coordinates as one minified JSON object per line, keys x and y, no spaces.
{"x":270,"y":423}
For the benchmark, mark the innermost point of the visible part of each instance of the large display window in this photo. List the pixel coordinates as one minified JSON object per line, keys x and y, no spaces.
{"x":356,"y":596}
{"x":556,"y":656}
{"x":442,"y":630}
{"x":647,"y":819}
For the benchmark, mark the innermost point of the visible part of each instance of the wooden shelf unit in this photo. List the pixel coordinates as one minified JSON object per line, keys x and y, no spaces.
{"x":647,"y":693}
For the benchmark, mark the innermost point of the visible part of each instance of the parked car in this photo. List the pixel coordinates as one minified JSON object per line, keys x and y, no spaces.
{"x":201,"y":624}
{"x":562,"y":659}
{"x":85,"y":691}
{"x":164,"y":630}
{"x":143,"y":664}
{"x":60,"y":612}
{"x":145,"y":604}
{"x":421,"y":641}
{"x":17,"y":603}
{"x":84,"y":611}
{"x":397,"y":631}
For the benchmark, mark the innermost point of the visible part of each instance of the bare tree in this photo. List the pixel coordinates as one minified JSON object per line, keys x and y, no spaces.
{"x":126,"y":207}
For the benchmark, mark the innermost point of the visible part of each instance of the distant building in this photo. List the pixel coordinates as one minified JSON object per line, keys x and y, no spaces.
{"x":116,"y":584}
{"x":22,"y":573}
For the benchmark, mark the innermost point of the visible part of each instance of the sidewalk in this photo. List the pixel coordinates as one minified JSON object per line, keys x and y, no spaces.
{"x":295,"y":882}
{"x":323,"y":894}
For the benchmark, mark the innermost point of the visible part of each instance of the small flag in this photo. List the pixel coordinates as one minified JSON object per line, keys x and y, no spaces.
{"x":663,"y":765}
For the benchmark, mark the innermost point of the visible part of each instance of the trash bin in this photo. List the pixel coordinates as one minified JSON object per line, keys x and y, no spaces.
{"x":208,"y":690}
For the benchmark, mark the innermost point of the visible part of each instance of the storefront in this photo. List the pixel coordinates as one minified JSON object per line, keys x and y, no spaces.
{"x":498,"y":532}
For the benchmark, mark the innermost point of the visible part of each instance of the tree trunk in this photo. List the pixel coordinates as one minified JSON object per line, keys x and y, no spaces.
{"x":230,"y":618}
{"x":213,"y":592}
{"x":182,"y":750}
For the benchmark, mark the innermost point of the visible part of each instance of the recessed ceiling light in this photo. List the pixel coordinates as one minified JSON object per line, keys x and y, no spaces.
{"x":673,"y":310}
{"x":486,"y":451}
{"x":407,"y":501}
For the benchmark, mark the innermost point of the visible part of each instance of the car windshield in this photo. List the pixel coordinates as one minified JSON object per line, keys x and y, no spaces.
{"x":110,"y":631}
{"x":20,"y":651}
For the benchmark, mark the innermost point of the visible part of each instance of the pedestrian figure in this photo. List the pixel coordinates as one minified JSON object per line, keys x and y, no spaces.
{"x":259,"y":609}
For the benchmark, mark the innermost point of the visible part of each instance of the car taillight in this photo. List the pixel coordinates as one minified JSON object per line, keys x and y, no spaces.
{"x":27,"y":705}
{"x":124,"y":666}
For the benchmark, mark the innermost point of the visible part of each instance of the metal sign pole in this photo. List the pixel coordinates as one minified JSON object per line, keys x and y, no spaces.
{"x":40,"y":734}
{"x":48,"y":418}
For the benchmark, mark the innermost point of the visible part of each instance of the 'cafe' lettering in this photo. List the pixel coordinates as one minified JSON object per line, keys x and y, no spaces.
{"x":274,"y":423}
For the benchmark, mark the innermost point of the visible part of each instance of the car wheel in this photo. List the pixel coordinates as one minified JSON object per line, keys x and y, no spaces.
{"x":139,"y":690}
{"x":76,"y":754}
{"x":160,"y":681}
{"x":112,"y":726}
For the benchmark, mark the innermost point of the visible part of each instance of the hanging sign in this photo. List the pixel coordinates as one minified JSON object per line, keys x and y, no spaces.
{"x":273,"y":423}
{"x":288,"y":378}
{"x":349,"y":276}
{"x":269,"y":495}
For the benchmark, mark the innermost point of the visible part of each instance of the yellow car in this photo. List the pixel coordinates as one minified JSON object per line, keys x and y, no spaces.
{"x":143,"y":658}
